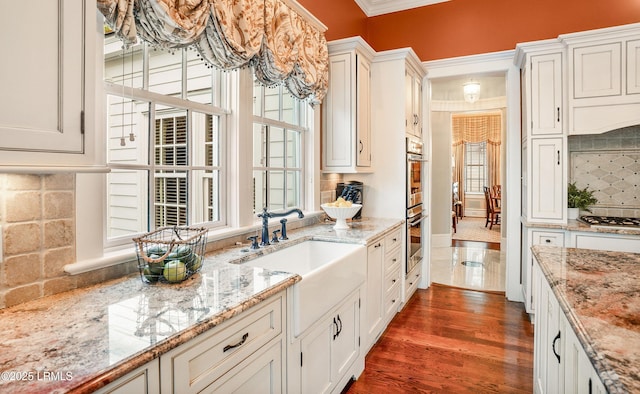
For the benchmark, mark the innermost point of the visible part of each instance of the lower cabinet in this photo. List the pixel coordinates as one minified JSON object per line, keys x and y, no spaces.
{"x":560,"y":363}
{"x":322,"y":359}
{"x":579,"y":374}
{"x":142,"y":380}
{"x":411,"y":281}
{"x":246,"y":350}
{"x":533,"y":236}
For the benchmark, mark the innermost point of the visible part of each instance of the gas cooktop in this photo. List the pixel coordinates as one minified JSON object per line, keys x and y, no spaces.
{"x":610,"y":221}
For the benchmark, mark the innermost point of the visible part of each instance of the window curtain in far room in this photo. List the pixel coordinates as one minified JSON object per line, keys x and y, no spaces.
{"x":282,"y":46}
{"x":475,"y":128}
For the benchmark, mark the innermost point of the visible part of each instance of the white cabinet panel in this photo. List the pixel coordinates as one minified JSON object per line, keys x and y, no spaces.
{"x":347,"y":108}
{"x":373,"y":303}
{"x":633,"y":67}
{"x":142,"y":380}
{"x":546,"y":177}
{"x":597,"y":71}
{"x":546,"y":94}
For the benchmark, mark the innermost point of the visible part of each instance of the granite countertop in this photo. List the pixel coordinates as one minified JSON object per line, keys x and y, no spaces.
{"x":599,"y":292}
{"x":576,"y":225}
{"x":81,"y":340}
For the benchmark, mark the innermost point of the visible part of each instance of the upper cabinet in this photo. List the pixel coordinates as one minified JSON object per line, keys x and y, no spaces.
{"x":48,"y":86}
{"x":413,"y":101}
{"x":546,"y":94}
{"x":544,"y":149}
{"x":604,"y":79}
{"x":347,"y":108}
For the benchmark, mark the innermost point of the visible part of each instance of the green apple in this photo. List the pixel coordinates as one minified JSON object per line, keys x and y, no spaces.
{"x":149,"y":275}
{"x":195,"y":263}
{"x":175,"y":271}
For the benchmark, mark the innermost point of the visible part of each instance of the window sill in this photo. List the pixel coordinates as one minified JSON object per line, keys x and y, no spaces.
{"x":128,"y":253}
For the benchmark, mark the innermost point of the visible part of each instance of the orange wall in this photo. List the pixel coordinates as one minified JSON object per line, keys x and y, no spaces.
{"x":468,"y":27}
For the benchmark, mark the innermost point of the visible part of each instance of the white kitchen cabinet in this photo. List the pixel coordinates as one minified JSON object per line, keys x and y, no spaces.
{"x":546,"y":94}
{"x":411,"y":281}
{"x":544,"y":149}
{"x":547,"y":180}
{"x":579,"y":374}
{"x":413,"y":102}
{"x":142,"y":380}
{"x":560,"y":363}
{"x":615,"y":242}
{"x":603,"y":83}
{"x":547,"y":358}
{"x":374,"y":313}
{"x":48,"y":88}
{"x":347,"y":108}
{"x":208,"y":361}
{"x":530,"y":283}
{"x":329,"y":349}
{"x":384,"y":287}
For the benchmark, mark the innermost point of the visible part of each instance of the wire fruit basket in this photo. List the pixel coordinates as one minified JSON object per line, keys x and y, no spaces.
{"x":170,"y":254}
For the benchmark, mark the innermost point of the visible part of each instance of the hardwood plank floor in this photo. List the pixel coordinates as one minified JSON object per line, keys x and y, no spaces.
{"x":450,"y":340}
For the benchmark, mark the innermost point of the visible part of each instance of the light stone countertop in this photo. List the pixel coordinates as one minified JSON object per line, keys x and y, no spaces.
{"x":81,"y":340}
{"x":576,"y":225}
{"x":599,"y":292}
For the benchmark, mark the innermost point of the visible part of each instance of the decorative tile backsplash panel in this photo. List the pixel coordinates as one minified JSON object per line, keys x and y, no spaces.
{"x":613,"y":176}
{"x":609,"y":164}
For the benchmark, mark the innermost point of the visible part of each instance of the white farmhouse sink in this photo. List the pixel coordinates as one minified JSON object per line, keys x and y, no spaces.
{"x":329,"y":271}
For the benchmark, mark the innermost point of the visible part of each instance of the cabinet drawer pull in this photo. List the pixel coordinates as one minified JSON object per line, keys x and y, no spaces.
{"x":335,"y":323}
{"x":553,"y":346}
{"x":378,"y":245}
{"x":361,"y":146}
{"x":590,"y":386}
{"x":547,"y":240}
{"x":558,"y":157}
{"x":243,"y":340}
{"x":340,"y":328}
{"x":558,"y":114}
{"x":393,"y":281}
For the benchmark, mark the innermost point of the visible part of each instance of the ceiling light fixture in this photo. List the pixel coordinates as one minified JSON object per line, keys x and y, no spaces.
{"x":471,"y":91}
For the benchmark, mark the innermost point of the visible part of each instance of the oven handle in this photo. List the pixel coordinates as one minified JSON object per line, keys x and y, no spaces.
{"x":413,"y":223}
{"x":416,"y":158}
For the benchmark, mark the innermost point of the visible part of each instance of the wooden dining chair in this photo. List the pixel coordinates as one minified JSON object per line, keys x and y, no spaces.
{"x":493,"y":212}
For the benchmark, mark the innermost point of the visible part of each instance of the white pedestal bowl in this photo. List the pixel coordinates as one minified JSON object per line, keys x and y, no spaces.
{"x":341,"y":214}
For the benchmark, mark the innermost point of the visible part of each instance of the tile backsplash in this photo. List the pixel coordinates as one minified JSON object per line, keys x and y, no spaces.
{"x":37,"y":215}
{"x":609,"y":164}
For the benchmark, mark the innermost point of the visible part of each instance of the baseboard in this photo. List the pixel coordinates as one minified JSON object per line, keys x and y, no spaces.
{"x":440,"y":240}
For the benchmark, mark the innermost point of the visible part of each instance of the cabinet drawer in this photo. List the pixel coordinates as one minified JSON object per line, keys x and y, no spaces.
{"x":198,"y":363}
{"x":392,"y":240}
{"x":547,"y":238}
{"x":392,"y":260}
{"x":392,"y":300}
{"x":391,"y":278}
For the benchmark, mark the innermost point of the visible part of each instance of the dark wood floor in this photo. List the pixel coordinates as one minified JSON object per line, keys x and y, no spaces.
{"x":449,"y":340}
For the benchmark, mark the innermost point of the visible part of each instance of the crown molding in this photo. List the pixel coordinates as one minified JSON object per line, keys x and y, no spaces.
{"x":379,"y":7}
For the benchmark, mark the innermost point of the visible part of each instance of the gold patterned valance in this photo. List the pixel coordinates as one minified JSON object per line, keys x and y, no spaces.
{"x":283,"y":47}
{"x":476,"y":128}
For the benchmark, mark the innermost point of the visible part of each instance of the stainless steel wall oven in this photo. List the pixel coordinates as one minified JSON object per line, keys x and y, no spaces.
{"x":415,"y":212}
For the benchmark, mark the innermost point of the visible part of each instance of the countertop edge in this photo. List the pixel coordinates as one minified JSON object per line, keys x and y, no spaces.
{"x":606,"y":373}
{"x":128,"y":365}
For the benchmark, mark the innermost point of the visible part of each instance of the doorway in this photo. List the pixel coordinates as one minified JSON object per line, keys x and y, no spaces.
{"x":500,"y":89}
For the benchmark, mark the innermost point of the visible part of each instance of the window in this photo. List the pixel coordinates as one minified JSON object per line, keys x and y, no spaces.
{"x":166,"y":135}
{"x":475,"y":165}
{"x":279,"y":124}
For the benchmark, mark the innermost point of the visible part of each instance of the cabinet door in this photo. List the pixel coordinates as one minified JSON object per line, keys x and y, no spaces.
{"x":373,"y":305}
{"x":546,"y":94}
{"x":547,"y":339}
{"x":260,"y":373}
{"x":547,"y":183}
{"x":417,"y":105}
{"x":633,"y":67}
{"x":597,"y":70}
{"x":345,"y":346}
{"x":315,"y":359}
{"x":43,"y":86}
{"x":142,"y":380}
{"x":413,"y":102}
{"x":363,"y":112}
{"x":339,"y":105}
{"x":579,"y":374}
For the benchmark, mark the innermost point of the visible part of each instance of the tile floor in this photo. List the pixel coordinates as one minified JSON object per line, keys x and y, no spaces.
{"x":474,"y":268}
